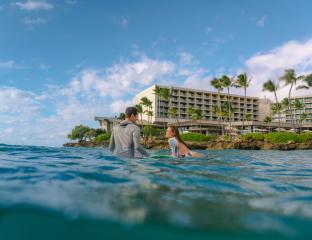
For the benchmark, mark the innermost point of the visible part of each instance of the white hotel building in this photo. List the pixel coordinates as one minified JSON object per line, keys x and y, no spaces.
{"x":184,"y":98}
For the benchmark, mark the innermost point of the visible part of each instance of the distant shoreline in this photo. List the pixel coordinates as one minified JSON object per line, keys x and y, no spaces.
{"x":162,"y":144}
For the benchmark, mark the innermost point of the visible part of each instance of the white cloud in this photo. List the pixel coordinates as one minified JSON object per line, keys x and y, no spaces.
{"x":16,"y":100}
{"x":33,"y":5}
{"x":120,"y":78}
{"x":31,"y":22}
{"x":197,"y":79}
{"x":261,"y":22}
{"x":271,"y":64}
{"x":7,"y":64}
{"x":90,"y":93}
{"x":120,"y":105}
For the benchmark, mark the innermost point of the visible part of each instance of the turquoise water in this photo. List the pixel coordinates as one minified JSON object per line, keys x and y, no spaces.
{"x":83,"y":193}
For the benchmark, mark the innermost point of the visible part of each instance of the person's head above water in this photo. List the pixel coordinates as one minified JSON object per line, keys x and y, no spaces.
{"x":131,"y":114}
{"x":173,"y":131}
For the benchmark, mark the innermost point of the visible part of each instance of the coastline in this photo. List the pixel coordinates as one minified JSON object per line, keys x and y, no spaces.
{"x":162,"y":144}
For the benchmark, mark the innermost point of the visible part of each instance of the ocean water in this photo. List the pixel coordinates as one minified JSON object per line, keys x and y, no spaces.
{"x":85,"y":193}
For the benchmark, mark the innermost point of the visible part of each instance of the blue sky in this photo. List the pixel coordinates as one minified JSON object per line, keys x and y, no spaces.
{"x":64,"y":61}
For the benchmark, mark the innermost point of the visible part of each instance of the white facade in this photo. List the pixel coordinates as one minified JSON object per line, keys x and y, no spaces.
{"x":184,"y":98}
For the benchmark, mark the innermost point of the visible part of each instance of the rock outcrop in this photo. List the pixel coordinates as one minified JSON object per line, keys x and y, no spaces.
{"x":156,"y":143}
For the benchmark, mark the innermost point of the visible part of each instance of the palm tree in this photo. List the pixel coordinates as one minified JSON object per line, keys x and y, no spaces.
{"x":297,"y":105}
{"x":290,"y":78}
{"x":175,"y":113}
{"x":285,"y":103}
{"x":248,"y":116}
{"x":267,"y":120}
{"x":277,"y":108}
{"x":148,"y":105}
{"x":219,"y":114}
{"x":191,"y":113}
{"x":303,"y":117}
{"x":271,"y":86}
{"x":217,"y":84}
{"x":242,"y":81}
{"x":158,"y":94}
{"x":308,"y":82}
{"x":166,"y":95}
{"x":139,"y":108}
{"x":227,"y":111}
{"x":199,"y":116}
{"x":227,"y":83}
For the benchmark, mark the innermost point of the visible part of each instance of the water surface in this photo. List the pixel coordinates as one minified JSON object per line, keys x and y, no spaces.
{"x":84,"y":193}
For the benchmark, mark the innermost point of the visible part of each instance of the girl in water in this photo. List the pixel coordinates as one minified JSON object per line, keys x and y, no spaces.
{"x":178,"y":146}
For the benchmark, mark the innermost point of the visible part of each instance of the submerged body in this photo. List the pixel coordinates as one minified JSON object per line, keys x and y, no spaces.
{"x":125,"y":141}
{"x":178,"y":149}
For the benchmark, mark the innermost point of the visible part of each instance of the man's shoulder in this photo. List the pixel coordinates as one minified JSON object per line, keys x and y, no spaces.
{"x":135,"y":127}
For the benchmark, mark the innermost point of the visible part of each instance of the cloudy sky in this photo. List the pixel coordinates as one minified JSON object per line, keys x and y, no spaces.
{"x":62,"y":62}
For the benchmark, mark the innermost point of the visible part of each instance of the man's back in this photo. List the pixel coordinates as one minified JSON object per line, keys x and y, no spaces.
{"x":125,"y":140}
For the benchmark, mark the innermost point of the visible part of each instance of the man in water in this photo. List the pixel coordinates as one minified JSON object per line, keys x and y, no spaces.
{"x":125,"y":138}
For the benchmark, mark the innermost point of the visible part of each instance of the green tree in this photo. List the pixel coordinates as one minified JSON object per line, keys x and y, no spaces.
{"x":307,"y":82}
{"x":217,"y":84}
{"x":243,"y":81}
{"x":163,"y":94}
{"x":78,"y":132}
{"x":191,"y":113}
{"x":148,"y":107}
{"x":303,"y":118}
{"x":121,"y":116}
{"x":174,"y":112}
{"x":216,"y":110}
{"x":158,"y":93}
{"x":99,"y":131}
{"x":90,"y":134}
{"x":297,"y":105}
{"x":285,"y":103}
{"x":267,"y":120}
{"x":272,"y":87}
{"x":248,"y":117}
{"x":198,"y":116}
{"x":290,"y":79}
{"x":139,"y":109}
{"x":227,"y":83}
{"x":227,"y":112}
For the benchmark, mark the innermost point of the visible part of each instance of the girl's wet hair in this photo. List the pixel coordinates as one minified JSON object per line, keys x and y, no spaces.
{"x":176,"y":133}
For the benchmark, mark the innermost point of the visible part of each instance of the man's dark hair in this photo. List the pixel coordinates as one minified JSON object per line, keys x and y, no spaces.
{"x":131,"y":110}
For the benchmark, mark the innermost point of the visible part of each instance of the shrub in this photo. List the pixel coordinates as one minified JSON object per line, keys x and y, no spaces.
{"x":197,"y":137}
{"x":102,"y":137}
{"x":99,"y":131}
{"x":152,"y":131}
{"x":90,"y":134}
{"x":253,"y":136}
{"x":279,"y":137}
{"x":78,"y":132}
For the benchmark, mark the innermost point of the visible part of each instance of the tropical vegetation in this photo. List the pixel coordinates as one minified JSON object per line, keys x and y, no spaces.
{"x":279,"y":137}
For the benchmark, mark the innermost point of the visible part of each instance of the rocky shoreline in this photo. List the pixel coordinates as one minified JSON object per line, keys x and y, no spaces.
{"x":209,"y":145}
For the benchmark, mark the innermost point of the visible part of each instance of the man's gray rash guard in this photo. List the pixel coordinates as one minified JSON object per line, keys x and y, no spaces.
{"x":125,"y":141}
